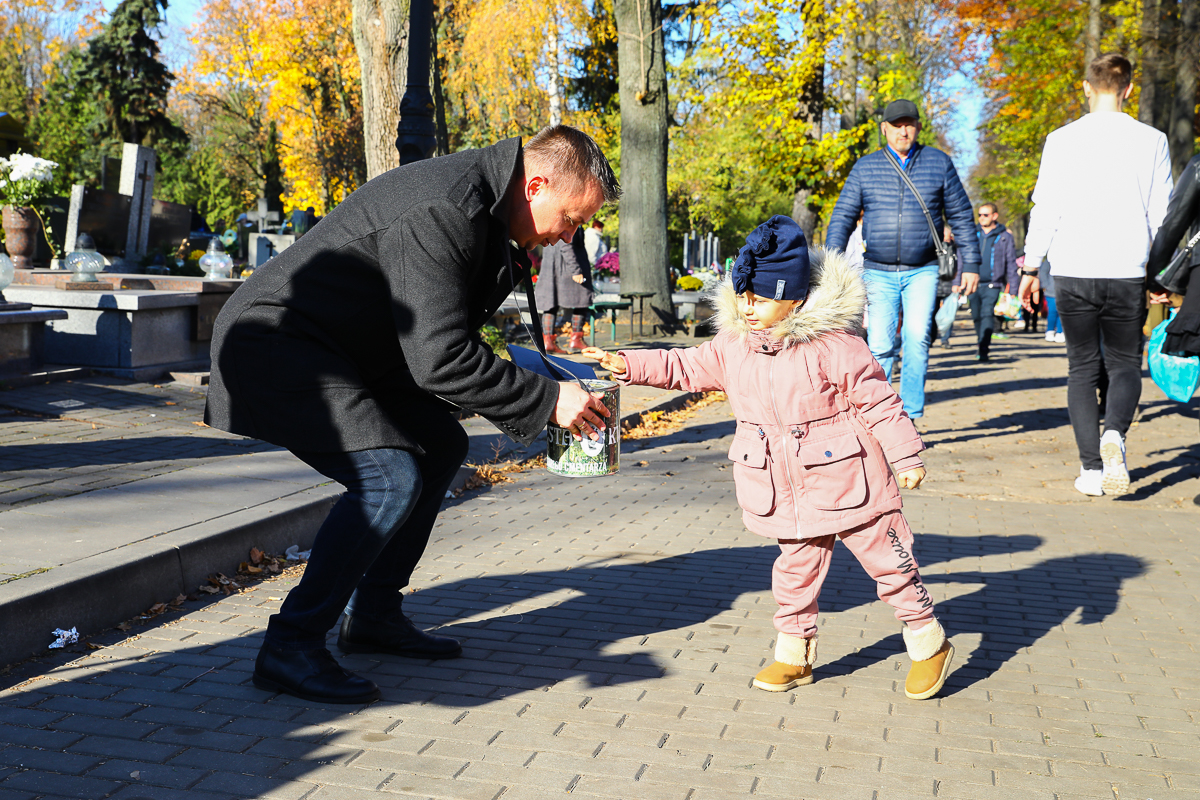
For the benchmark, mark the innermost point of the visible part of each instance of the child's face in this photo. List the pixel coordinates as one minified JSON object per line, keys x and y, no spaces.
{"x":762,"y":312}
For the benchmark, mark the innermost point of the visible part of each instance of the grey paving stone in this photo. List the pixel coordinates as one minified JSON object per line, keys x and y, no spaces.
{"x":124,"y":748}
{"x":143,"y":773}
{"x":46,"y":760}
{"x":55,"y":785}
{"x":233,"y":762}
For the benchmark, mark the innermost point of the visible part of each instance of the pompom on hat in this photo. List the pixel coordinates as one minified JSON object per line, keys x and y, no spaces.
{"x":774,"y":261}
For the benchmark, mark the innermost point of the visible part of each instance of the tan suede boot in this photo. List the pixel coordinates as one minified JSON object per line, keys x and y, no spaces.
{"x":794,"y":657}
{"x":931,"y":654}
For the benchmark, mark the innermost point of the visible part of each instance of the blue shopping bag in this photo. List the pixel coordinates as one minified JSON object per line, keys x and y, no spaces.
{"x":1175,"y":375}
{"x":945,"y":315}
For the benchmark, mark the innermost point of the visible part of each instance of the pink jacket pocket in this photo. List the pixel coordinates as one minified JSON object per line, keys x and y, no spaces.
{"x":752,"y":474}
{"x":834,"y":472}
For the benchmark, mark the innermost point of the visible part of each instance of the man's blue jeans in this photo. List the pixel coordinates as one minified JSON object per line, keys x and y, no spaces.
{"x":367,"y":548}
{"x":888,"y":293}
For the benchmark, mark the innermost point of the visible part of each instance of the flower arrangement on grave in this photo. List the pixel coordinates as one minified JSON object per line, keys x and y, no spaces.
{"x":24,"y":189}
{"x":608,"y":265}
{"x":689,"y":283}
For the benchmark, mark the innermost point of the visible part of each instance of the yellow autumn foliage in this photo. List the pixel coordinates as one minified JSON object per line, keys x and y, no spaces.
{"x":291,"y":62}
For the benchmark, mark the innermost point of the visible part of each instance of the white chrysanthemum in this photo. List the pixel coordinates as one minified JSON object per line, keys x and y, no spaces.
{"x":24,"y":166}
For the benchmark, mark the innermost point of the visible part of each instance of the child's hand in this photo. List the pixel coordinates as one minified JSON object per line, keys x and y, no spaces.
{"x":611,"y":362}
{"x":911,"y":478}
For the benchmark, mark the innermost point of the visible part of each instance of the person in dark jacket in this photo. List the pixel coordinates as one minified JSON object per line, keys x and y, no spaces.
{"x":901,"y":258}
{"x":351,"y":349}
{"x":998,"y":254}
{"x":564,"y":282}
{"x":1181,"y":223}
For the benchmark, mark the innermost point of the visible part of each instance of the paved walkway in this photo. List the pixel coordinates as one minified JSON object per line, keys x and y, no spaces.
{"x":611,"y":628}
{"x":105,"y":482}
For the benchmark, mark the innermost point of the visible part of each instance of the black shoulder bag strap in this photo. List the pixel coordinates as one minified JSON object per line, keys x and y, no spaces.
{"x":534,"y":319}
{"x":938,"y":245}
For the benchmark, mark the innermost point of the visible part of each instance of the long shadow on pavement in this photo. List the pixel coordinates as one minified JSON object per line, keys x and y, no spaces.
{"x":186,"y":719}
{"x":1012,"y":609}
{"x":132,"y":450}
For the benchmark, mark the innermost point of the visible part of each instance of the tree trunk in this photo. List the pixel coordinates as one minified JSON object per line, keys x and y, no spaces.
{"x":870,"y":62}
{"x":643,"y":92}
{"x":1091,"y":36}
{"x":812,"y":104}
{"x":555,"y":89}
{"x":1150,"y":60}
{"x":1181,"y":133}
{"x":1158,"y":68}
{"x":849,"y":92}
{"x":439,"y":94}
{"x":381,"y":39}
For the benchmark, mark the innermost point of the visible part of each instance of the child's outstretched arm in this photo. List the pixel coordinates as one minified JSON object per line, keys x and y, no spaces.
{"x":690,"y":369}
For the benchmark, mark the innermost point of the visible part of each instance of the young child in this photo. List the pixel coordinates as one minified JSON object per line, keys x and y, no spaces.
{"x":817,"y":426}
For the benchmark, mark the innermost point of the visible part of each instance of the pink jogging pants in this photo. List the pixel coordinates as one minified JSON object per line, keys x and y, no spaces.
{"x":883,"y":547}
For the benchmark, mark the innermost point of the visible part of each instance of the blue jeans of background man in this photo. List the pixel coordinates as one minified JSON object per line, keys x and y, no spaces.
{"x":367,"y":548}
{"x":983,"y":306}
{"x":1053,"y":323}
{"x":1102,"y":319}
{"x":913,"y":291}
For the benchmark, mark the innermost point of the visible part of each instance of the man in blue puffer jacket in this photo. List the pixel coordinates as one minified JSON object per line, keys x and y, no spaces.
{"x":901,"y":261}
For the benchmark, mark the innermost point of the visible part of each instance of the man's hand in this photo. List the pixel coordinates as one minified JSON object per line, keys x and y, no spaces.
{"x":610,"y":361}
{"x":970,"y":283}
{"x":911,"y":478}
{"x":576,"y":407}
{"x":1159,"y":298}
{"x":1025,"y":293}
{"x":577,"y":278}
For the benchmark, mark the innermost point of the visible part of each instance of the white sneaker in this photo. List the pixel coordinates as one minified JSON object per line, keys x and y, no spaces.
{"x":1116,"y":474}
{"x":1060,"y":337}
{"x":1049,"y":336}
{"x":1090,"y":482}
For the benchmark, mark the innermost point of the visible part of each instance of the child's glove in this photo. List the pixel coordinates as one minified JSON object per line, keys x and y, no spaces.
{"x":610,"y":361}
{"x":911,"y":478}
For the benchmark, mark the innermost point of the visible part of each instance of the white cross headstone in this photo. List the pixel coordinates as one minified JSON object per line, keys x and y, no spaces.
{"x":138,"y":166}
{"x":262,"y":215}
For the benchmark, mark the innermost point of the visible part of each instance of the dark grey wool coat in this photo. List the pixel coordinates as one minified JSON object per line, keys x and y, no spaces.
{"x":344,"y":340}
{"x":560,"y":262}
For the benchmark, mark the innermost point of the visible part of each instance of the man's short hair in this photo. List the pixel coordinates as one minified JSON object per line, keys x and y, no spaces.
{"x":571,"y":153}
{"x":992,"y":206}
{"x":1110,"y":73}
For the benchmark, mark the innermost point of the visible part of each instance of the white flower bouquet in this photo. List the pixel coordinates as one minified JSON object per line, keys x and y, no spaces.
{"x":25,"y":180}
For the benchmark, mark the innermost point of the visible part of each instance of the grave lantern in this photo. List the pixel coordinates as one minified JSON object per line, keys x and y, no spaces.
{"x":84,"y":261}
{"x":216,"y":263}
{"x":6,"y":274}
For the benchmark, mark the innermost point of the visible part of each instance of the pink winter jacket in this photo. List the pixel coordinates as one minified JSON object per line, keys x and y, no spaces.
{"x":817,"y":423}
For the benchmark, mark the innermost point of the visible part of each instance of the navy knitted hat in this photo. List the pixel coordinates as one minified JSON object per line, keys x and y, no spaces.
{"x":774,"y":262}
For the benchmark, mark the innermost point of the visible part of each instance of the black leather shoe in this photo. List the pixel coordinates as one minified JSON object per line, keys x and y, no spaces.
{"x":310,"y":675}
{"x":398,"y":637}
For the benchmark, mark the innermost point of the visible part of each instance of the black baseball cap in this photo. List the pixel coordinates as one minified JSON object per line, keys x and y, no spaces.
{"x":898,"y":109}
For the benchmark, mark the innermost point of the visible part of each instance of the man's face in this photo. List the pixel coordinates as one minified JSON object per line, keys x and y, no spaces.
{"x":555,"y":211}
{"x":987,"y":217}
{"x":901,"y":134}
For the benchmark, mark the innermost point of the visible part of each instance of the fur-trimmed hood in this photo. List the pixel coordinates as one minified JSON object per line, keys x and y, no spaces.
{"x":836,"y":299}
